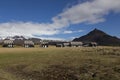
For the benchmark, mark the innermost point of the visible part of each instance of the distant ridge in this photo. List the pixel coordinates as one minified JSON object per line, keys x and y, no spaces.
{"x":100,"y":37}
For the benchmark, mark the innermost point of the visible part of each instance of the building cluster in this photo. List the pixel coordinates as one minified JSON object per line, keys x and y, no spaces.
{"x":77,"y":44}
{"x":45,"y":44}
{"x":26,"y":43}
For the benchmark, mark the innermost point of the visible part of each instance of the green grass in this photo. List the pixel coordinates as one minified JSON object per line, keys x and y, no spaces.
{"x":83,"y":63}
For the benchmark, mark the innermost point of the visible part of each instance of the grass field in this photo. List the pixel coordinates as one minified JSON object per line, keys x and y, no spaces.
{"x":83,"y":63}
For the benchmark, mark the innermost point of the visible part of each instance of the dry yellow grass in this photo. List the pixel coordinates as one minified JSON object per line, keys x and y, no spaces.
{"x":82,"y":63}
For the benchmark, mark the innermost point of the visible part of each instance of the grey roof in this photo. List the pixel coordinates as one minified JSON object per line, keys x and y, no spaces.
{"x":44,"y":42}
{"x":29,"y":42}
{"x":76,"y":43}
{"x":93,"y":43}
{"x":8,"y":41}
{"x":66,"y":44}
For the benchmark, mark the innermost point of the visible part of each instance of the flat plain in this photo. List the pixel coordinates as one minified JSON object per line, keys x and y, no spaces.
{"x":70,"y":63}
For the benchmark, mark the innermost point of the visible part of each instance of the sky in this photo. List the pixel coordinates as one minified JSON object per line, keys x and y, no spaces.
{"x":58,"y":19}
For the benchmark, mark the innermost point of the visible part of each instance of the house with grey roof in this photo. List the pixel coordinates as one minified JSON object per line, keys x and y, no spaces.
{"x":76,"y":44}
{"x":44,"y":44}
{"x":90,"y":44}
{"x":28,"y":43}
{"x":66,"y":44}
{"x":93,"y":44}
{"x":8,"y":43}
{"x":59,"y":45}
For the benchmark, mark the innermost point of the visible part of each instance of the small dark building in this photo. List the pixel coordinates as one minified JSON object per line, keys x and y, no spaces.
{"x":8,"y":43}
{"x":76,"y":44}
{"x":28,"y":44}
{"x":93,"y":44}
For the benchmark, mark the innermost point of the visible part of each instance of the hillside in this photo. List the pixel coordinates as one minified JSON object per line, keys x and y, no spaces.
{"x":100,"y":37}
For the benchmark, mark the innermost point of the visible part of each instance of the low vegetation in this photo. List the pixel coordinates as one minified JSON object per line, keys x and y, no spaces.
{"x":81,"y":63}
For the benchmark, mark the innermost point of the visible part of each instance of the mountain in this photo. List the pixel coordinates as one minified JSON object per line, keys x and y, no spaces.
{"x":100,"y":37}
{"x":15,"y":38}
{"x":19,"y":37}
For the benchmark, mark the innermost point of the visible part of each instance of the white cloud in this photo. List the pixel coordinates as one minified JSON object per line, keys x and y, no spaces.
{"x":70,"y":32}
{"x":88,"y":12}
{"x":92,"y":11}
{"x":26,"y":29}
{"x":52,"y":38}
{"x":80,"y":30}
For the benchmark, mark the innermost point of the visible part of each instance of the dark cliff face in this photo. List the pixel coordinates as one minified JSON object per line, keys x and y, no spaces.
{"x":100,"y":37}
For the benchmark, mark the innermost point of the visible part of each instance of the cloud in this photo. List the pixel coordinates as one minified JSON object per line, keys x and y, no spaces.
{"x":70,"y":32}
{"x":27,"y":29}
{"x":80,"y":30}
{"x":52,"y":38}
{"x":92,"y":11}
